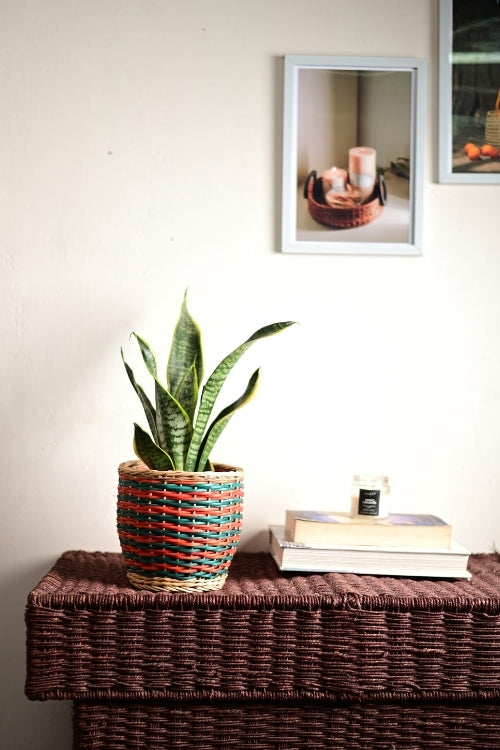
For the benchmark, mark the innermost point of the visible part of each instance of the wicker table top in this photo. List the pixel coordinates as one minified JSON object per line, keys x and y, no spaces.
{"x":328,"y":637}
{"x":98,"y":580}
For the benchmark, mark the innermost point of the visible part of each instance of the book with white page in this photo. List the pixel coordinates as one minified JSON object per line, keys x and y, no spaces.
{"x":446,"y":562}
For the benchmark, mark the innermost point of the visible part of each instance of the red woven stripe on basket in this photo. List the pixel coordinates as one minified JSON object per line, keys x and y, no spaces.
{"x":189,"y":496}
{"x":175,"y":512}
{"x":208,"y":554}
{"x":166,"y":539}
{"x":181,"y":528}
{"x":172,"y":542}
{"x":189,"y":570}
{"x":167,"y":526}
{"x":194,"y":566}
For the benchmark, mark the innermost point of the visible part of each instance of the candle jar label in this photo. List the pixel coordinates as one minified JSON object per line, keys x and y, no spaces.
{"x":370,"y":497}
{"x":369,"y":502}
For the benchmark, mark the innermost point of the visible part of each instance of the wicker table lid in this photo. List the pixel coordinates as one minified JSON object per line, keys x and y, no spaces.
{"x":327,"y":637}
{"x":96,"y":580}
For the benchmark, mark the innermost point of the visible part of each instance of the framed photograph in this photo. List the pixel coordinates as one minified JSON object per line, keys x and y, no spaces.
{"x":469,"y":91}
{"x":353,"y":136}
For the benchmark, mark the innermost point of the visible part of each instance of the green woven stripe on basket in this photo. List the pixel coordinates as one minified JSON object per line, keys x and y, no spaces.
{"x":187,"y":488}
{"x":138,"y":564}
{"x":175,"y":504}
{"x":199,"y":520}
{"x":165,"y":562}
{"x":231,"y":529}
{"x":199,"y":574}
{"x":207,"y":546}
{"x":190,"y":545}
{"x":171,"y":507}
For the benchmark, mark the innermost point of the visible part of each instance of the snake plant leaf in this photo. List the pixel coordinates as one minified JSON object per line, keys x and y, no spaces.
{"x":147,"y":355}
{"x":214,"y":431}
{"x":150,"y":453}
{"x":148,"y":407}
{"x":214,"y":384}
{"x":185,"y":354}
{"x":173,"y":425}
{"x":187,"y":392}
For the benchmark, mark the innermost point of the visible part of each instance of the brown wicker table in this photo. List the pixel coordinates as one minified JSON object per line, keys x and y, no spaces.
{"x":272,"y":660}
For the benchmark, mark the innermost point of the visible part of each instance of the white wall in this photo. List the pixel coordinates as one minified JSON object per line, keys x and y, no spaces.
{"x":140,"y":154}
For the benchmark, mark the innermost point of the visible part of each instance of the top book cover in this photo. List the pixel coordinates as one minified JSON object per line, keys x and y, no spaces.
{"x":412,"y":531}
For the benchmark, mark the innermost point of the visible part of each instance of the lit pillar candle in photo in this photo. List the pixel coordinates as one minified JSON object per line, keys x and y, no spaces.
{"x":334,"y":179}
{"x":363,"y":169}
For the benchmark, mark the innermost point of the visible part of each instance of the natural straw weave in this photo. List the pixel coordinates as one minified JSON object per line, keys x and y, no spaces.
{"x":344,"y":217}
{"x":178,"y":530}
{"x":492,"y":128}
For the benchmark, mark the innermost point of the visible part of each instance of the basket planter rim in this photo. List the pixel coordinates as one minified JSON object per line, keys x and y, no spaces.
{"x":136,"y":467}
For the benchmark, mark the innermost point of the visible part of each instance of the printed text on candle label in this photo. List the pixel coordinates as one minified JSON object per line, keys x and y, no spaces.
{"x":369,"y":502}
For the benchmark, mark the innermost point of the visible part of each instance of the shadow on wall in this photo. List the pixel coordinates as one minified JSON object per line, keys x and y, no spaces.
{"x":52,"y":719}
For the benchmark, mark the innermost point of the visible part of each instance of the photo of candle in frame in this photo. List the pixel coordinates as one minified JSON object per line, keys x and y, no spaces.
{"x":362,"y":119}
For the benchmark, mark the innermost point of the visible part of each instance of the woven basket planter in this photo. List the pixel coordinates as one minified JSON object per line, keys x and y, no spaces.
{"x":178,"y":530}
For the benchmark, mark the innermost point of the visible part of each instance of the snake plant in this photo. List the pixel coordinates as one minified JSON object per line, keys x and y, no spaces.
{"x":182,"y":431}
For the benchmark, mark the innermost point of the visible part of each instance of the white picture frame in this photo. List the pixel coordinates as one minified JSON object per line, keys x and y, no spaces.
{"x":469,"y":74}
{"x":331,"y":104}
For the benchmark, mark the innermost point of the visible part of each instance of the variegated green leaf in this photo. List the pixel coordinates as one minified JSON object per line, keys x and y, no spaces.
{"x":185,"y":353}
{"x":214,"y":431}
{"x":187,"y":392}
{"x":150,"y":453}
{"x":214,"y":384}
{"x":147,"y":355}
{"x":173,"y":425}
{"x":148,"y":407}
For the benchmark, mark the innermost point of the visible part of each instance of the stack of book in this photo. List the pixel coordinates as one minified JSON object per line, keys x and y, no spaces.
{"x":409,"y":545}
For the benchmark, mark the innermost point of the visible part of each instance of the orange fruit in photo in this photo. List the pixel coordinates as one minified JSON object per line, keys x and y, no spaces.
{"x":474,"y":153}
{"x":494,"y":153}
{"x":468,"y":146}
{"x":486,"y":149}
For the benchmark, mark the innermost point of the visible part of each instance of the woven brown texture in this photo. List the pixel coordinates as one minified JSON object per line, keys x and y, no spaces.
{"x":345,"y":217}
{"x":332,"y":637}
{"x":141,"y":726}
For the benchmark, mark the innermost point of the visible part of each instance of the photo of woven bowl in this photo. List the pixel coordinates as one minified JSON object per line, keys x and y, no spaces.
{"x":345,"y":217}
{"x":178,"y":530}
